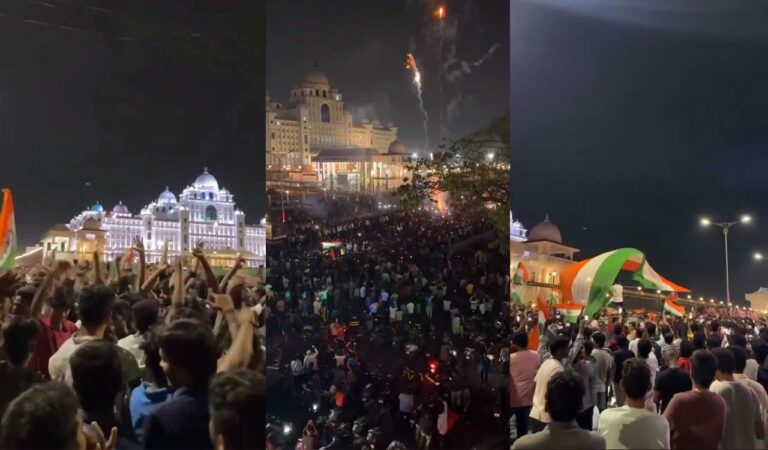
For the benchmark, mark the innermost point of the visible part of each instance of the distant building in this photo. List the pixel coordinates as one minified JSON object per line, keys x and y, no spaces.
{"x":312,"y":139}
{"x":203,"y":212}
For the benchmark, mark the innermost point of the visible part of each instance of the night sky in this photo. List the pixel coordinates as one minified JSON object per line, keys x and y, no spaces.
{"x":631,"y":120}
{"x":361,"y":47}
{"x":114,"y":100}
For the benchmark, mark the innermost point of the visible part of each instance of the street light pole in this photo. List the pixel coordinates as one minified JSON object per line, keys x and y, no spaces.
{"x":726,"y":226}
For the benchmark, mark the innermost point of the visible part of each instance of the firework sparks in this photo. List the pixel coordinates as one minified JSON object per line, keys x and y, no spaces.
{"x":410,"y":64}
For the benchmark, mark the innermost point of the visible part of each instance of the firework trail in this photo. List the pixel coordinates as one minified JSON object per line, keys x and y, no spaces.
{"x":410,"y":64}
{"x":440,"y":14}
{"x":466,"y":67}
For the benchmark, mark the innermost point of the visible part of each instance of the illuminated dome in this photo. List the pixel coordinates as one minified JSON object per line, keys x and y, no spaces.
{"x":166,"y":197}
{"x":316,"y":78}
{"x":97,"y":207}
{"x":396,"y":148}
{"x":120,"y":208}
{"x":206,"y":182}
{"x":545,"y":231}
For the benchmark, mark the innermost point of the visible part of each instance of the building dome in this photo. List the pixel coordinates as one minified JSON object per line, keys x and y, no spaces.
{"x":396,"y":148}
{"x":166,"y":197}
{"x":545,"y":231}
{"x":206,"y":182}
{"x":120,"y":208}
{"x":316,"y":78}
{"x":97,"y":207}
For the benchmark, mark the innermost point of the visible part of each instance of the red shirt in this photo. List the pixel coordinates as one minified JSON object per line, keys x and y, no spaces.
{"x":48,"y":341}
{"x":696,"y":420}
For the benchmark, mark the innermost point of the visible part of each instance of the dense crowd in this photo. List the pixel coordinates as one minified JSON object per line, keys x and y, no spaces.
{"x":627,"y":381}
{"x":385,"y":338}
{"x":120,"y":355}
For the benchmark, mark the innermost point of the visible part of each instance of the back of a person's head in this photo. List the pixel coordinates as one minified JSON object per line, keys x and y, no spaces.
{"x":651,"y":327}
{"x":760,"y":348}
{"x":63,"y":297}
{"x":713,"y":342}
{"x":714,"y":326}
{"x":599,"y":339}
{"x":686,"y":349}
{"x":189,"y":345}
{"x":622,"y":341}
{"x":703,"y":367}
{"x":636,"y":378}
{"x":236,"y":403}
{"x":520,"y":339}
{"x":618,"y":328}
{"x":668,"y":338}
{"x":737,"y":339}
{"x":561,"y":343}
{"x":145,"y":313}
{"x":644,"y":348}
{"x":43,"y":416}
{"x":725,"y":361}
{"x":564,"y":396}
{"x":699,"y":341}
{"x":95,"y":305}
{"x":151,"y":347}
{"x":96,"y":374}
{"x":19,"y":339}
{"x":588,"y":347}
{"x":739,"y":358}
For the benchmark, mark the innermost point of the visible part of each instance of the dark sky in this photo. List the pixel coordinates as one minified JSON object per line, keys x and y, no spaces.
{"x":361,"y":46}
{"x":129,"y":97}
{"x":631,"y":120}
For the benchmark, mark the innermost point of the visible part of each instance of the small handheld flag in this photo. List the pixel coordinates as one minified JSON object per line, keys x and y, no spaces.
{"x":8,"y":250}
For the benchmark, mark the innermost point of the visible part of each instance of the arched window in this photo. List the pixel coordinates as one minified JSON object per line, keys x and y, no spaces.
{"x":325,"y":113}
{"x":211,"y":213}
{"x":317,"y":92}
{"x":324,"y":92}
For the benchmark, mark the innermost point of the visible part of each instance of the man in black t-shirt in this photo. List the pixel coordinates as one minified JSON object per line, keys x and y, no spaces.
{"x":670,"y":381}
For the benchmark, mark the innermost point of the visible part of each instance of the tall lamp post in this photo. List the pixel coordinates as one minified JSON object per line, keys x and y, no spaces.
{"x":725,"y":226}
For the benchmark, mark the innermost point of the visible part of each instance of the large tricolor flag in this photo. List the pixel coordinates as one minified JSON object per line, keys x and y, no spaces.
{"x":8,"y":250}
{"x":588,"y":283}
{"x":534,"y":336}
{"x":522,"y":275}
{"x":517,"y":299}
{"x":670,"y":307}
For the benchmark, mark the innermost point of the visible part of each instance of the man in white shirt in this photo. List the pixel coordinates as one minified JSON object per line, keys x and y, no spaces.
{"x":310,"y":359}
{"x":145,"y":314}
{"x":743,"y":424}
{"x":632,"y":425}
{"x":539,"y":415}
{"x":740,"y":363}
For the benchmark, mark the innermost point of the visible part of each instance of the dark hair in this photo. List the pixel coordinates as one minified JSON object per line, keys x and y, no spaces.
{"x":95,"y":305}
{"x":760,"y":349}
{"x":668,"y":337}
{"x":714,"y":326}
{"x":588,"y":347}
{"x":618,"y":329}
{"x":713,"y":341}
{"x":236,"y":403}
{"x":43,"y":416}
{"x":20,"y":337}
{"x":151,"y":348}
{"x":560,"y":343}
{"x":622,"y":341}
{"x":703,"y":366}
{"x":725,"y":360}
{"x":737,"y":339}
{"x":636,"y":378}
{"x":520,"y":339}
{"x":63,"y":297}
{"x":96,"y":374}
{"x":564,"y":396}
{"x":686,"y":349}
{"x":739,"y":358}
{"x":699,"y":341}
{"x":145,"y":313}
{"x":190,"y":345}
{"x":644,"y":348}
{"x":599,"y":339}
{"x":651,"y":327}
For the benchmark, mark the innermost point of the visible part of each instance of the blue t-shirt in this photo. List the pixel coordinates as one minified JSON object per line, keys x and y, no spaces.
{"x":144,"y":399}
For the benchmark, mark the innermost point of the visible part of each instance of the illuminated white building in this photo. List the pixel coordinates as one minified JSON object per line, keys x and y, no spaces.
{"x":311,"y":138}
{"x":202,"y":212}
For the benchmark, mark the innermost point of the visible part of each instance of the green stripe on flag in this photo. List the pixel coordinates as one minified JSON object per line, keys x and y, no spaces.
{"x":604,"y":278}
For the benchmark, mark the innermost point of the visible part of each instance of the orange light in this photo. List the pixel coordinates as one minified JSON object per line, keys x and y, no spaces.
{"x":440,"y":13}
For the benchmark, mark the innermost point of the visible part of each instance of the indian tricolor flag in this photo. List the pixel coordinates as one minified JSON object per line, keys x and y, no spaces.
{"x":670,"y":307}
{"x":588,"y":282}
{"x":8,"y":250}
{"x":570,"y":313}
{"x":534,"y":336}
{"x":331,"y":244}
{"x":522,"y":275}
{"x":517,"y":299}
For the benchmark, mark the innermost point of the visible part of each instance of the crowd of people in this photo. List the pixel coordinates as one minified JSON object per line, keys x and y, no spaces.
{"x":125,"y":354}
{"x":629,"y":381}
{"x":387,"y":336}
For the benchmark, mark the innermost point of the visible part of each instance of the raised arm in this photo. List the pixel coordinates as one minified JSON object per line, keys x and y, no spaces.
{"x":97,"y":276}
{"x":46,"y":289}
{"x":239,"y":262}
{"x":241,"y":350}
{"x":152,"y":280}
{"x":210,"y":278}
{"x":138,"y":247}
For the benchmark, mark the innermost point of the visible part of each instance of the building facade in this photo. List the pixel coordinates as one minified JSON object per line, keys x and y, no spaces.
{"x":311,"y":138}
{"x":203,"y":212}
